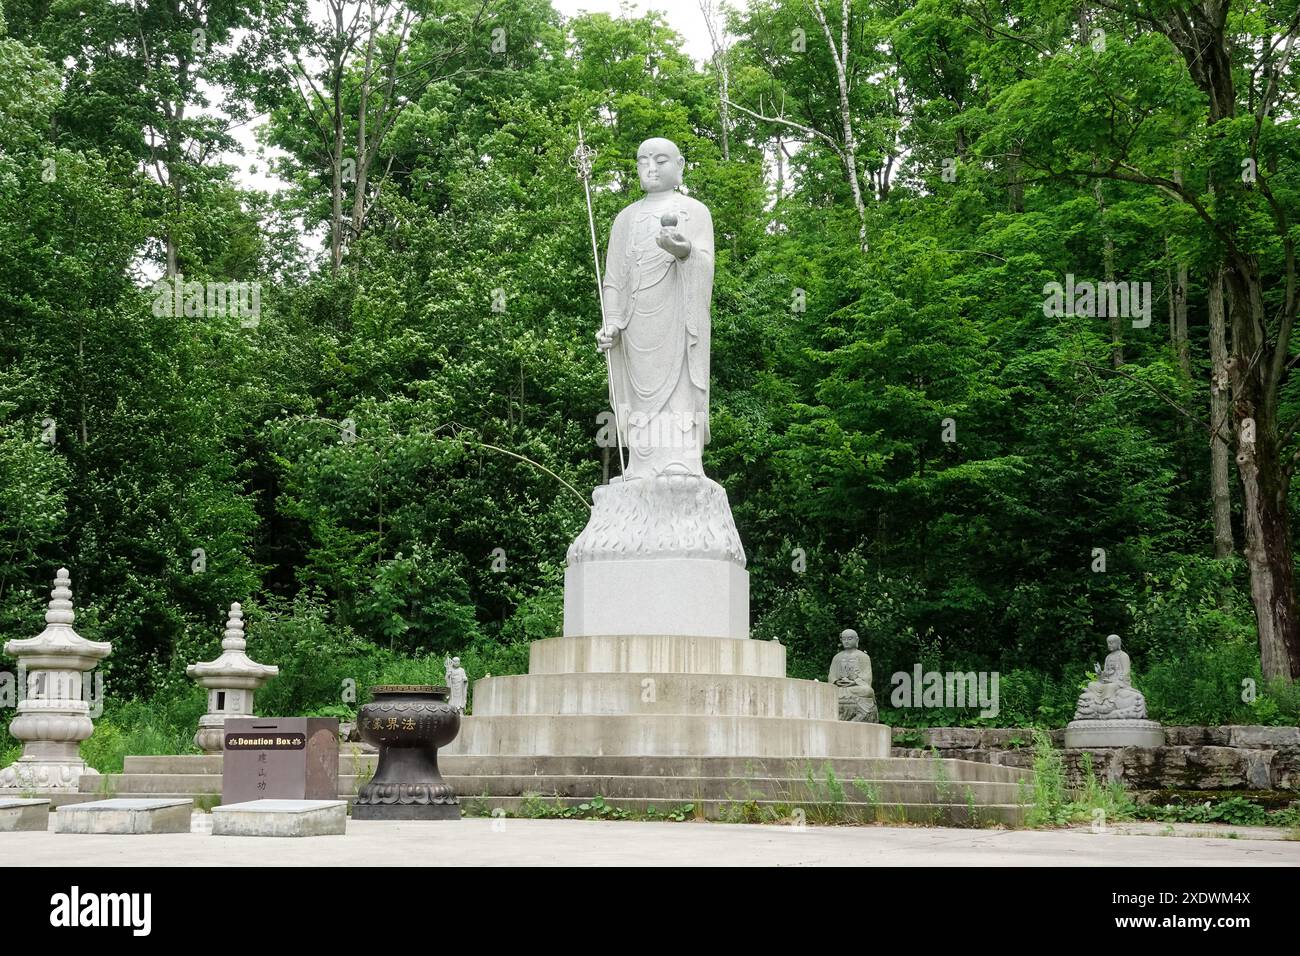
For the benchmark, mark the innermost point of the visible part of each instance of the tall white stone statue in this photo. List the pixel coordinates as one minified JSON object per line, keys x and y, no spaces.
{"x":658,"y":288}
{"x":54,"y":716}
{"x":656,"y":660}
{"x":660,"y":554}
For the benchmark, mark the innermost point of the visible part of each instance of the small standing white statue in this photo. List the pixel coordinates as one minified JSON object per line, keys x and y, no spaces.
{"x":458,"y":681}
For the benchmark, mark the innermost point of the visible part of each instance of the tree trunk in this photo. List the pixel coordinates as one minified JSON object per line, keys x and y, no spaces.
{"x":1181,"y":346}
{"x":840,"y":58}
{"x":1220,"y":418}
{"x":1178,"y":303}
{"x":1108,"y":265}
{"x":1265,"y":479}
{"x":1015,"y":186}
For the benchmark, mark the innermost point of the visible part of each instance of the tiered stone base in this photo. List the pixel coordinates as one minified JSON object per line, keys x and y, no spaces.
{"x":660,"y":696}
{"x":667,"y":735}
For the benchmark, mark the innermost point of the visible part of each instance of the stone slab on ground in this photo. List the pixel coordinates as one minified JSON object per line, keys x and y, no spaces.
{"x":1205,"y":831}
{"x":22,"y":814}
{"x":281,"y":818}
{"x":517,"y":842}
{"x":131,"y":816}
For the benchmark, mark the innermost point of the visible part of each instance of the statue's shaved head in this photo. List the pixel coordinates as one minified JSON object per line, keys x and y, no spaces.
{"x":659,"y":163}
{"x":656,"y":145}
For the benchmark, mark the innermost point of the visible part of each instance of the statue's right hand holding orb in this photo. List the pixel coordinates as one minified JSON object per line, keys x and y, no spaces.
{"x":605,"y":338}
{"x":670,"y":240}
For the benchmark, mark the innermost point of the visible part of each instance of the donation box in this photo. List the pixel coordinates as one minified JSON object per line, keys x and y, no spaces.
{"x":280,"y":758}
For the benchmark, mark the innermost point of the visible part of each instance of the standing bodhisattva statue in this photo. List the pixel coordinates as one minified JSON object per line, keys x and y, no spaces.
{"x":458,"y":682}
{"x":658,"y":286}
{"x":659,"y":554}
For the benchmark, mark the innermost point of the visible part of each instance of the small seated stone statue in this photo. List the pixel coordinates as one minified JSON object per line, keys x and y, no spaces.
{"x":1112,"y":696}
{"x":1111,"y":712}
{"x":851,"y":674}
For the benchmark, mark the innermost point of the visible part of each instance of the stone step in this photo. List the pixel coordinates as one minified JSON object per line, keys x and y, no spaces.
{"x":665,"y":735}
{"x":747,"y":810}
{"x":768,"y":811}
{"x":659,"y":654}
{"x":150,"y":783}
{"x":749,"y":788}
{"x":211,"y":763}
{"x":684,"y":788}
{"x":654,"y":693}
{"x":844,"y":768}
{"x":910,"y":782}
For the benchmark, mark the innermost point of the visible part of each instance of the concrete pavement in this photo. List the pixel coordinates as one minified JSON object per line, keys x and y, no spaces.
{"x":519,"y":842}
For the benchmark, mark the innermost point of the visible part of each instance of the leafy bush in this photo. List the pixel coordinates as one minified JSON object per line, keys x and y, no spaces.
{"x":1205,"y":687}
{"x":136,"y":728}
{"x":1236,"y":810}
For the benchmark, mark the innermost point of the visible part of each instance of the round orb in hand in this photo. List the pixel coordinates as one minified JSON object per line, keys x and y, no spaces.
{"x":668,"y":220}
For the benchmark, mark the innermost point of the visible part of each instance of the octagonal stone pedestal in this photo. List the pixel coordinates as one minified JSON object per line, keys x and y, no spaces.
{"x":1086,"y":734}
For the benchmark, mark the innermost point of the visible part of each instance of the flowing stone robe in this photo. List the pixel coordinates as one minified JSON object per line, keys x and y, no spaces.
{"x":1112,"y":695}
{"x":660,"y":362}
{"x":458,"y":682}
{"x":851,"y":674}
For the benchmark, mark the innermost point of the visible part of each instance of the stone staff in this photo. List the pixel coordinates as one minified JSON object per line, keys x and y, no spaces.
{"x":582,"y":160}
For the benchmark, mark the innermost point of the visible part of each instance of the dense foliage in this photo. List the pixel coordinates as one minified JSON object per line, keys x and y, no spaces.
{"x":389,"y":463}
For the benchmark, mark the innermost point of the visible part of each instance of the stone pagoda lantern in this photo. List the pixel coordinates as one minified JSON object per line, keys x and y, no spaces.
{"x":53,"y":716}
{"x":232,"y":680}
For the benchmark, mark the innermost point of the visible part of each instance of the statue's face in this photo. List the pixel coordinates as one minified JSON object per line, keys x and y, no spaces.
{"x":455,"y":662}
{"x":1112,"y":642}
{"x":659,"y":163}
{"x":849,"y":639}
